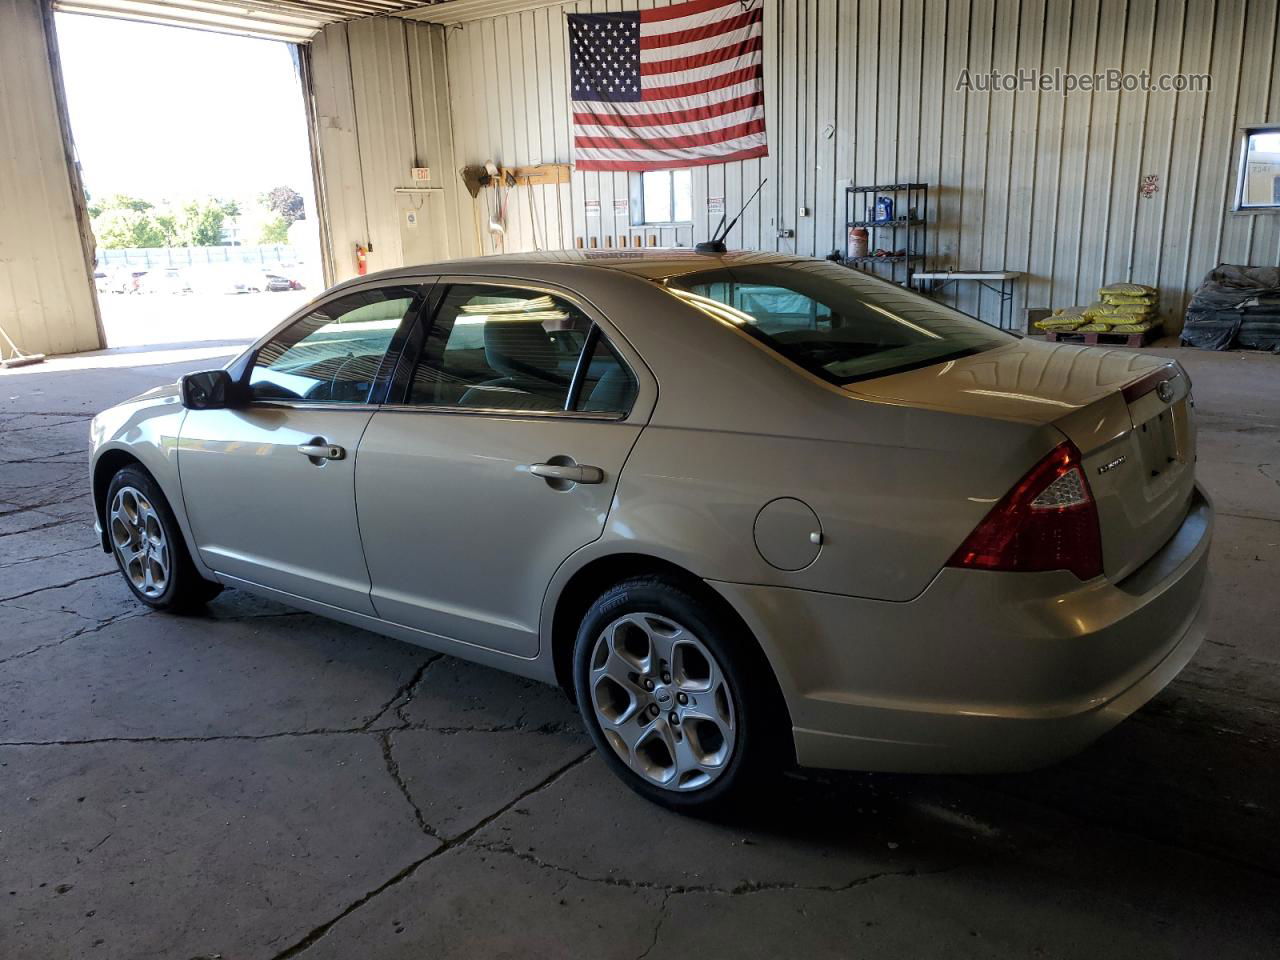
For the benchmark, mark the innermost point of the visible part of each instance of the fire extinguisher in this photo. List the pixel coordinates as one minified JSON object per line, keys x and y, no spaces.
{"x":362,"y":259}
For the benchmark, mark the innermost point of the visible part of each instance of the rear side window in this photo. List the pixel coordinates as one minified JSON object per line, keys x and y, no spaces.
{"x":833,"y":322}
{"x":607,"y":385}
{"x":506,"y":348}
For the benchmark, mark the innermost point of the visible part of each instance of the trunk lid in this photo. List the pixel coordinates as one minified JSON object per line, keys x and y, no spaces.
{"x":1141,"y":467}
{"x":1130,"y":415}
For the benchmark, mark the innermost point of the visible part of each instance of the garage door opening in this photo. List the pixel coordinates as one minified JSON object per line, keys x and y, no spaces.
{"x":195,"y":158}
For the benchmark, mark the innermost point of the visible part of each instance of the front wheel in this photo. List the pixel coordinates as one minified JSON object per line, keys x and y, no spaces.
{"x":675,"y":696}
{"x":148,"y":545}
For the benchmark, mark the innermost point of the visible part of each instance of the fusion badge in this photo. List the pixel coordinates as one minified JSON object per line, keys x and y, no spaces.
{"x":1108,"y":467}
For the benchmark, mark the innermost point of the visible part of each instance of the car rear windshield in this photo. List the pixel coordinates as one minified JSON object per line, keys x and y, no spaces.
{"x":833,"y":321}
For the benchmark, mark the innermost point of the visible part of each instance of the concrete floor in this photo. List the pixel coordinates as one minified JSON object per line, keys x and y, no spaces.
{"x":259,"y":783}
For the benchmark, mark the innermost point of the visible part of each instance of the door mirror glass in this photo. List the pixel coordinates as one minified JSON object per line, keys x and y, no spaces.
{"x":207,"y":390}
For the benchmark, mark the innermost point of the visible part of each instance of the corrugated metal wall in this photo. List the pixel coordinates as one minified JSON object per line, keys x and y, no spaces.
{"x":46,"y":293}
{"x":866,"y":92}
{"x":381,"y":107}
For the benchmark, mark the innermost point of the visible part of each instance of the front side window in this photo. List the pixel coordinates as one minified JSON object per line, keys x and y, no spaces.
{"x":1259,"y":183}
{"x":834,"y":322}
{"x":333,"y":354}
{"x":507,"y":348}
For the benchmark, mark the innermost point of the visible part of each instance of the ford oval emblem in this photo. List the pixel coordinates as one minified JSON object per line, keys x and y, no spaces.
{"x":1164,"y":390}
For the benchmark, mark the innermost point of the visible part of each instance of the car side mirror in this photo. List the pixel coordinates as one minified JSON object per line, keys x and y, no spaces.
{"x":207,"y":390}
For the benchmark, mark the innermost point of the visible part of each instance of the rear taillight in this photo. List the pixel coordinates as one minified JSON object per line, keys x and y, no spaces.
{"x":1048,"y":521}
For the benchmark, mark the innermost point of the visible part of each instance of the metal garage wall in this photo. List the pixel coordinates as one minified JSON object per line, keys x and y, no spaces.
{"x":381,"y":107}
{"x":1035,"y":182}
{"x":46,"y":290}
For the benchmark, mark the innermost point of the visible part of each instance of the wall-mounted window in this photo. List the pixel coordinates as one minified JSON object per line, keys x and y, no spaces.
{"x":1258,"y":186}
{"x":662,"y":196}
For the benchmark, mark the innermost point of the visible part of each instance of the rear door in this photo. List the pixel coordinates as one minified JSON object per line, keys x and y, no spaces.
{"x":496,"y":458}
{"x":270,"y":486}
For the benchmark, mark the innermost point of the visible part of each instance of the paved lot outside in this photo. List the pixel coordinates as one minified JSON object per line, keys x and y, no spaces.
{"x":137,"y":319}
{"x":259,"y":783}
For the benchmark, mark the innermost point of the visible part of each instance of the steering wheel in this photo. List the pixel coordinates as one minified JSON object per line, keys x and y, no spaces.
{"x":333,"y":381}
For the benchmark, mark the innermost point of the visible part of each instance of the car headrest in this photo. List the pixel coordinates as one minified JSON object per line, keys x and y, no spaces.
{"x":520,"y":349}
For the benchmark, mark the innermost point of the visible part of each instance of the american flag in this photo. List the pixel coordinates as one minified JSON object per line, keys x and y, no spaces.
{"x":677,"y":86}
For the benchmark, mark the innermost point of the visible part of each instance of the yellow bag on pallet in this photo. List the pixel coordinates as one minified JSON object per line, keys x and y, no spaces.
{"x":1100,"y":312}
{"x":1142,"y":327}
{"x":1093,"y":328}
{"x":1062,"y":319}
{"x":1118,"y":299}
{"x":1128,"y":290}
{"x":1134,"y":310}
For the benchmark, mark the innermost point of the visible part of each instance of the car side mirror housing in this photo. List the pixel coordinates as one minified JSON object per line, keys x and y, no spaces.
{"x":208,"y":390}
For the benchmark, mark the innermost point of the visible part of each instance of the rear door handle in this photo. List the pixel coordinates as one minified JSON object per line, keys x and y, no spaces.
{"x":317,"y":449}
{"x":574,"y":473}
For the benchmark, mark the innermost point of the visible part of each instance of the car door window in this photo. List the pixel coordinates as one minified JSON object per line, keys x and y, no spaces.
{"x":608,"y":386}
{"x":501,"y":348}
{"x":333,"y":354}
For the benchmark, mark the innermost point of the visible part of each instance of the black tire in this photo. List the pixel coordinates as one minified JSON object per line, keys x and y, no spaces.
{"x":184,"y":589}
{"x":762,"y":737}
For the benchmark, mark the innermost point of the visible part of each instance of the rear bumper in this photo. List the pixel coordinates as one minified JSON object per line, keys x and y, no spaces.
{"x":983,"y":671}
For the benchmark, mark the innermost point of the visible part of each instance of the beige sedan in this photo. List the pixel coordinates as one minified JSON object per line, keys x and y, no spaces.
{"x":747,"y":509}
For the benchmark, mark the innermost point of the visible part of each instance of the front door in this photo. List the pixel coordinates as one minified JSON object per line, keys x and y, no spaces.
{"x":499,"y":461}
{"x":269,"y":486}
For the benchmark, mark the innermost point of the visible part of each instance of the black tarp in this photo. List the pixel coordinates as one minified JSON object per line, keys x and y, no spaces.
{"x":1235,"y":306}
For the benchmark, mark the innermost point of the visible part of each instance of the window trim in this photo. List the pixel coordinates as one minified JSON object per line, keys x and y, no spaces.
{"x":417,"y":339}
{"x":1238,"y":205}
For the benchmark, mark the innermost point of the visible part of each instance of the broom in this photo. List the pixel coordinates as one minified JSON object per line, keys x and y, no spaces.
{"x":19,"y":359}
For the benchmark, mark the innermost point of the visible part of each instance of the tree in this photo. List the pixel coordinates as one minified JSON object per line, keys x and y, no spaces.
{"x":287,"y":202}
{"x":120,"y":227}
{"x":167,"y":224}
{"x":124,"y":202}
{"x":274,"y":231}
{"x":201,"y":224}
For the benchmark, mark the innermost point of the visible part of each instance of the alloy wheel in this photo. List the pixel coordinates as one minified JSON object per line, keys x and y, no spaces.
{"x":139,"y":541}
{"x":662,"y":701}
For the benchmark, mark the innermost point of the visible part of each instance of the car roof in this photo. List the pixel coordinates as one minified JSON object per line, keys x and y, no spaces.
{"x":651,"y":263}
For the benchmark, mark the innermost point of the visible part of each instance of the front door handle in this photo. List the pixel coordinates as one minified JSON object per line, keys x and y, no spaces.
{"x":568,"y":473}
{"x":317,"y":449}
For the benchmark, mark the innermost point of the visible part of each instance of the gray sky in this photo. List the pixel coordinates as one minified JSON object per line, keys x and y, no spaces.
{"x":165,"y":112}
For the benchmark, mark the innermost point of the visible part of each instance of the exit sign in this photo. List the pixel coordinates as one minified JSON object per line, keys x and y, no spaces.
{"x":421,"y":174}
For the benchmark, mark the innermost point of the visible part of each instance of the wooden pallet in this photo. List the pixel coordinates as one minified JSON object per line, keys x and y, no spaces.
{"x":1098,"y":337}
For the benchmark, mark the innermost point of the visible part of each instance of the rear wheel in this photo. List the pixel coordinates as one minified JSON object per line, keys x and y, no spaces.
{"x":148,"y":545}
{"x":673,"y":696}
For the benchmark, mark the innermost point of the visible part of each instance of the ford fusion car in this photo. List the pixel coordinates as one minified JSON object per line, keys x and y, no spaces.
{"x":746,"y":509}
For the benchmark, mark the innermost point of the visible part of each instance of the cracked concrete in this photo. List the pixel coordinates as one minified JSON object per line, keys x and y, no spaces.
{"x":257,"y":782}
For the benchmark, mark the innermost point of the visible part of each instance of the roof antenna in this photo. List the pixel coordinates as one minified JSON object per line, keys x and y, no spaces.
{"x":716,"y":243}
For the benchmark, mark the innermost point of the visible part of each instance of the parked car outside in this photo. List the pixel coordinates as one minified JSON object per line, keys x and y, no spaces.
{"x":275,"y":283}
{"x":168,"y":280}
{"x":124,"y":280}
{"x":853,"y":529}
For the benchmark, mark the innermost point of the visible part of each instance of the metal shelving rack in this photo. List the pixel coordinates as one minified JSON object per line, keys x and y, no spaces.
{"x":910,"y":221}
